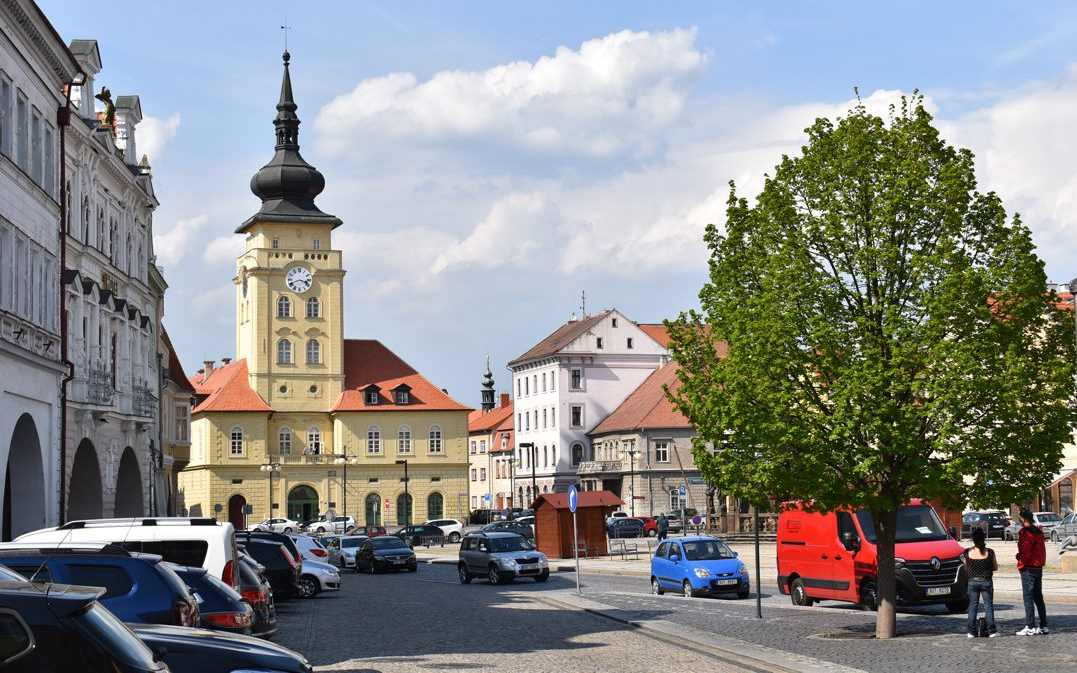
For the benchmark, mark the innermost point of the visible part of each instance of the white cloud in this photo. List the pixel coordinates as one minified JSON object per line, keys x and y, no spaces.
{"x":514,"y":230}
{"x":606,"y":98}
{"x":153,"y":133}
{"x":171,"y":245}
{"x":223,"y":249}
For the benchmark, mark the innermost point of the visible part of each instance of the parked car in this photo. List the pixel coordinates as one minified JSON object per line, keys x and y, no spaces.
{"x":481,"y":517}
{"x":256,"y":590}
{"x":1064,"y":528}
{"x":285,"y":539}
{"x":277,"y":526}
{"x":928,"y":560}
{"x":138,"y":587}
{"x":310,"y":547}
{"x":331,"y":544}
{"x":349,"y":546}
{"x":500,"y":557}
{"x":369,"y":531}
{"x":521,"y":529}
{"x":993,"y":524}
{"x":220,"y":607}
{"x":338,"y":524}
{"x":452,"y":529}
{"x":385,"y":553}
{"x":616,"y":515}
{"x":281,"y":568}
{"x":698,"y":565}
{"x":58,"y":629}
{"x":424,"y":535}
{"x":650,"y":525}
{"x":318,"y":576}
{"x":624,"y":528}
{"x":184,"y":541}
{"x":203,"y":651}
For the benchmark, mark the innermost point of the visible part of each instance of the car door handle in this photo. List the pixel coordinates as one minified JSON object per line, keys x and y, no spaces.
{"x":825,"y":556}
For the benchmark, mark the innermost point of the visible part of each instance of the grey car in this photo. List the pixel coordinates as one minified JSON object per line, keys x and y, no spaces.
{"x":500,"y":557}
{"x":349,"y":546}
{"x":1065,"y":528}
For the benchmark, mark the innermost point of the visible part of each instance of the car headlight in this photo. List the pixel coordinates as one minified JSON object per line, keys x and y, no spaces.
{"x":702,"y":573}
{"x":744,"y":570}
{"x":543,"y":561}
{"x":507,"y":562}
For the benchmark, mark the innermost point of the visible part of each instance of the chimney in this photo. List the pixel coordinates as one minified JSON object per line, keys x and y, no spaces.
{"x":505,"y":400}
{"x":208,"y":367}
{"x":225,"y":361}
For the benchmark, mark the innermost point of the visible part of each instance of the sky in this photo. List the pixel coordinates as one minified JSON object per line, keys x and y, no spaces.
{"x":493,"y":160}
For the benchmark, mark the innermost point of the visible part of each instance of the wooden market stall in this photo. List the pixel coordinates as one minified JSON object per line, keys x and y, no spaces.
{"x":553,"y":522}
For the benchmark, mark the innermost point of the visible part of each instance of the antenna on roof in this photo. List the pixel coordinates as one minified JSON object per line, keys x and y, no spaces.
{"x":583,"y":304}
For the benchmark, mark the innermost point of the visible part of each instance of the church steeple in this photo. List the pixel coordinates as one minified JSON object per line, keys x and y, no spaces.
{"x":488,"y":388}
{"x":287,"y":185}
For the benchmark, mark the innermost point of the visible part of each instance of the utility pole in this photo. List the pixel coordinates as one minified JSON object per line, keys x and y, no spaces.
{"x":632,"y":477}
{"x":532,"y":452}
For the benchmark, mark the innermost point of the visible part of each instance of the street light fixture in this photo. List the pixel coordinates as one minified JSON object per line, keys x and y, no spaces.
{"x":407,"y":498}
{"x":343,"y":459}
{"x":270,"y":468}
{"x":632,"y":476}
{"x":532,"y":452}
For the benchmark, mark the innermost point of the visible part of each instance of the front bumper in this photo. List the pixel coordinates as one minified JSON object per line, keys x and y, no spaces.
{"x":918,"y":586}
{"x":329,"y":582}
{"x":718,"y":585}
{"x":410,"y":563}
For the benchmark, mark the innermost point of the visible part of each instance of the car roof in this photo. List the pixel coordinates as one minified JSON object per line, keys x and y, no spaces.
{"x":697,"y":538}
{"x":493,"y":534}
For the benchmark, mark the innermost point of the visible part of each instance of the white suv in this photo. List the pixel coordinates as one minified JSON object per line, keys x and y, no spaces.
{"x":338,"y":524}
{"x":452,"y":528}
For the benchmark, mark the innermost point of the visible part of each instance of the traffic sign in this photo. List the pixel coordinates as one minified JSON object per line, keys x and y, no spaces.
{"x":696,"y":520}
{"x":683,"y":490}
{"x":573,"y":499}
{"x":486,"y":497}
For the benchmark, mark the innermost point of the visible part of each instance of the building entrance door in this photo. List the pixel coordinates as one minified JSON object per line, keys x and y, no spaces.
{"x":302,"y":503}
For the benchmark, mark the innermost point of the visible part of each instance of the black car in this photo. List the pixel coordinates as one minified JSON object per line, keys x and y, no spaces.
{"x":57,"y":628}
{"x":993,"y":524}
{"x":387,"y":552}
{"x":203,"y":651}
{"x":282,"y":538}
{"x":220,"y":606}
{"x":424,"y":535}
{"x":522,"y":529}
{"x":281,"y":568}
{"x":624,"y":528}
{"x":256,"y":590}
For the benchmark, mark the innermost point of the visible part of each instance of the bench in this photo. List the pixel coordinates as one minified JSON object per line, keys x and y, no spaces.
{"x":620,"y":546}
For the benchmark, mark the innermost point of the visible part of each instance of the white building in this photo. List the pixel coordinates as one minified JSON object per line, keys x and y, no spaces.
{"x":566,"y":384}
{"x":114,"y":294}
{"x":34,"y":67}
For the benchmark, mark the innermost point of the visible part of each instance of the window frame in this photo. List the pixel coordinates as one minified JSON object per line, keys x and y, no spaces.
{"x":662,"y":445}
{"x":315,"y":304}
{"x":434,"y":439}
{"x":284,"y":351}
{"x":403,"y":434}
{"x":573,"y":422}
{"x":233,"y":442}
{"x":284,"y":307}
{"x":314,"y":441}
{"x":373,"y":441}
{"x":576,"y":381}
{"x":284,"y":441}
{"x":314,"y":347}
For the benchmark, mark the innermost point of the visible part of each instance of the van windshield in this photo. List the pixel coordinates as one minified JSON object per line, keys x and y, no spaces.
{"x":915,"y":523}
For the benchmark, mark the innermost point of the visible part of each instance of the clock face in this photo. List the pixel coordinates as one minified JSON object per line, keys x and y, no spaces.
{"x":298,"y":279}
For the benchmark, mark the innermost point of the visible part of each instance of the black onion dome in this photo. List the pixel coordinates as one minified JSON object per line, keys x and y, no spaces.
{"x":287,"y":185}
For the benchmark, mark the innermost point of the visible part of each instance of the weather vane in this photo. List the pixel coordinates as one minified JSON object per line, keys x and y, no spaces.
{"x":284,"y":29}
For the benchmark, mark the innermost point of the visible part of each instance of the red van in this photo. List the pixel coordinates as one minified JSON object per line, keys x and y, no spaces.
{"x":832,"y":556}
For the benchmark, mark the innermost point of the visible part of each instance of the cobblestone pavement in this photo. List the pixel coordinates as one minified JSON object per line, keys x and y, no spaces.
{"x":428,"y":621}
{"x":931,"y":640}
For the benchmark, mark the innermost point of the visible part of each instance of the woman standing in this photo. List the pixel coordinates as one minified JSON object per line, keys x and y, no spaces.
{"x":980,"y":566}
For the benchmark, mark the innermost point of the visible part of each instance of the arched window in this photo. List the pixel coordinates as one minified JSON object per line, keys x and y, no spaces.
{"x":86,"y":220}
{"x":372,"y":509}
{"x":314,"y":441}
{"x":314,"y":308}
{"x":435,"y":506}
{"x":577,"y":453}
{"x":284,"y":352}
{"x":553,"y":455}
{"x":545,"y":456}
{"x":403,"y":440}
{"x":435,"y":439}
{"x":237,"y":441}
{"x":284,"y":307}
{"x":314,"y":352}
{"x":284,"y":441}
{"x":373,"y":440}
{"x":403,"y":509}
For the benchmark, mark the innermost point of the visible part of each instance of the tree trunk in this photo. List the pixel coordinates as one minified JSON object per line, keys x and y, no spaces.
{"x":885,"y":530}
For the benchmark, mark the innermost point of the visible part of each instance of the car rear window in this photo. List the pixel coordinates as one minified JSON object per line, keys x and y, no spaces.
{"x":35,"y":573}
{"x":115,"y":638}
{"x":180,"y":552}
{"x":211,"y":580}
{"x":114,"y":579}
{"x":349,"y":543}
{"x":172,"y":580}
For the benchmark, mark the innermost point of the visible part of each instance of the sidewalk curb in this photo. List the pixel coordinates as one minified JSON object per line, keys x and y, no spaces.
{"x":748,"y":656}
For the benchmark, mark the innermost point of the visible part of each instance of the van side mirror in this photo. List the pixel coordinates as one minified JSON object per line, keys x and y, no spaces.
{"x":850,"y":541}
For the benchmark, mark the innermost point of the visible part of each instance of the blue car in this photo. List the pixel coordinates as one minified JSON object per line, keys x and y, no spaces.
{"x":698,"y":565}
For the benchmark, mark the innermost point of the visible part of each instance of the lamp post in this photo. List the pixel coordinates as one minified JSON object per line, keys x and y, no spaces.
{"x":270,"y":468}
{"x":532,"y":452}
{"x":343,"y":459}
{"x":632,"y":476}
{"x":407,"y":498}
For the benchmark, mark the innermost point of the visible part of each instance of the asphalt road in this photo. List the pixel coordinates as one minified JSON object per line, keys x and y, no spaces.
{"x":428,"y":621}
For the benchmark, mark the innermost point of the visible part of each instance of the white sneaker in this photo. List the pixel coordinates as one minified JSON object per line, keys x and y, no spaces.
{"x":969,"y":635}
{"x":1028,"y":631}
{"x":1042,"y":631}
{"x":994,"y":634}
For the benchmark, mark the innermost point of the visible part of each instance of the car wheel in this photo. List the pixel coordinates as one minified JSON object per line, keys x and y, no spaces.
{"x":307,"y":585}
{"x":454,"y":537}
{"x":686,"y":590}
{"x":287,"y":529}
{"x":543,"y":577}
{"x":494,"y":576}
{"x":652,"y":533}
{"x":799,"y":593}
{"x":320,"y":531}
{"x":869,"y":596}
{"x":656,"y":588}
{"x":465,"y":576}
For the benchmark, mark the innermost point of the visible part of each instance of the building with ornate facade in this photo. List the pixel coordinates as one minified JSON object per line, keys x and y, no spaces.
{"x":177,"y":394}
{"x":35,"y":66}
{"x":304,"y":421}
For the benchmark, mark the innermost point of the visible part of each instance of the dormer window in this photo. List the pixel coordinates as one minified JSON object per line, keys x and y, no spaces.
{"x":371,"y":395}
{"x":402,"y":394}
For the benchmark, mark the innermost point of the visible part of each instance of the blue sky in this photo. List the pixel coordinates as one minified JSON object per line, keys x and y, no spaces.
{"x":491,"y":160}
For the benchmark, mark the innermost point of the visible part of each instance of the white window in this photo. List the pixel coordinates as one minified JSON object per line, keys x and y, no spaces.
{"x":482,"y":474}
{"x":504,"y":441}
{"x":553,"y":381}
{"x":284,"y":441}
{"x":661,"y":452}
{"x":314,"y":307}
{"x":517,"y":387}
{"x":276,"y":243}
{"x":527,"y":386}
{"x":575,"y":415}
{"x":50,"y":161}
{"x":576,"y":379}
{"x":6,"y":126}
{"x":527,"y":420}
{"x":543,"y":419}
{"x":284,"y":352}
{"x":317,"y":244}
{"x":628,"y":343}
{"x":577,"y":453}
{"x":402,"y":397}
{"x":183,"y":418}
{"x":22,"y":132}
{"x":403,"y":440}
{"x":35,"y":145}
{"x":237,"y":441}
{"x":482,"y":446}
{"x":474,"y":474}
{"x":372,"y":396}
{"x":474,"y":502}
{"x":284,"y":307}
{"x":474,"y":446}
{"x":373,"y":440}
{"x":545,"y":456}
{"x":614,"y":321}
{"x":543,"y":381}
{"x":314,"y":441}
{"x":675,"y":500}
{"x":435,"y":439}
{"x":598,"y":343}
{"x":519,"y":421}
{"x":314,"y":352}
{"x":534,"y":383}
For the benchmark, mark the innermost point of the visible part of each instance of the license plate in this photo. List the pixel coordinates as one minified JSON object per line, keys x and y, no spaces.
{"x":938,"y":591}
{"x":398,"y":561}
{"x":727,"y":582}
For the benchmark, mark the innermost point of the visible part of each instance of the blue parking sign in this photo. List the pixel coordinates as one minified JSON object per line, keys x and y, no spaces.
{"x":683,"y":490}
{"x":573,"y":498}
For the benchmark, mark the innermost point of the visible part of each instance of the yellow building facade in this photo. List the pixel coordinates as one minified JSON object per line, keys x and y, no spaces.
{"x":305,"y":422}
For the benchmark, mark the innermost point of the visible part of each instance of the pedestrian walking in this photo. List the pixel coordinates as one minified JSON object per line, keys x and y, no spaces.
{"x":1031,"y":555}
{"x":663,"y":527}
{"x":980,"y":566}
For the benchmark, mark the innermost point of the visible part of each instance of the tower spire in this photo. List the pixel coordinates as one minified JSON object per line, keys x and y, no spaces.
{"x":488,"y":388}
{"x":287,"y":121}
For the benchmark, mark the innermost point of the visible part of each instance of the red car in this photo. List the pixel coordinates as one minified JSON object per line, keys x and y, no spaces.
{"x":650,"y":525}
{"x":369,"y":531}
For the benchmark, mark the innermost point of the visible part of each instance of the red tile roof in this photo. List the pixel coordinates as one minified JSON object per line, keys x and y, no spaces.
{"x":656,"y":331}
{"x":584,"y":499}
{"x":561,"y":337}
{"x":228,"y":389}
{"x":175,"y":368}
{"x":507,"y":427}
{"x":479,"y":420}
{"x":647,"y":406}
{"x":368,"y":361}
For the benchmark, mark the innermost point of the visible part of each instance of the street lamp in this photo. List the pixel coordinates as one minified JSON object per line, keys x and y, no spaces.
{"x":632,"y":476}
{"x":532,"y":452}
{"x":270,"y":468}
{"x":343,"y":459}
{"x":407,"y":498}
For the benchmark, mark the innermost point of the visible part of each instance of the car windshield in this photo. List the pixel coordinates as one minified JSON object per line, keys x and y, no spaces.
{"x":706,"y":550}
{"x":349,"y":543}
{"x":915,"y":523}
{"x":1048,"y":517}
{"x":387,"y":542}
{"x":504,"y":544}
{"x":115,"y":638}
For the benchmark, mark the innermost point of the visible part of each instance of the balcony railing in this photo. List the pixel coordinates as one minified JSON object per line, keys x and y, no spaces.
{"x":95,"y":387}
{"x":599,"y":466}
{"x":144,"y":402}
{"x":306,"y":459}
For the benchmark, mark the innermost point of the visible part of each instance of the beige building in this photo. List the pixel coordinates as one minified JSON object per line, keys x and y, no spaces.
{"x":177,"y":394}
{"x":489,"y":448}
{"x":305,"y":421}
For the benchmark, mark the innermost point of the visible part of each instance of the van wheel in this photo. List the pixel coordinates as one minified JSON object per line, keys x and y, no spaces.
{"x":798,"y":593}
{"x":869,"y":596}
{"x":656,"y":588}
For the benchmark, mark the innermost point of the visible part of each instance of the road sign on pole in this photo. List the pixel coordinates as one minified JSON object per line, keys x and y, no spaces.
{"x":573,"y":500}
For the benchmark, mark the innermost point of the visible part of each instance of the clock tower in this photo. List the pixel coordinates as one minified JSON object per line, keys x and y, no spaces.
{"x":289,"y":280}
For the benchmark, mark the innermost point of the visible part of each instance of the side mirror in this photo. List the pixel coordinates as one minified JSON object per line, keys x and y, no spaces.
{"x":159,"y":653}
{"x":736,"y":554}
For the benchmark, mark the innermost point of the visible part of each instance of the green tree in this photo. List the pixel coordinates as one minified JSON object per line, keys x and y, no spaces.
{"x":890,"y":335}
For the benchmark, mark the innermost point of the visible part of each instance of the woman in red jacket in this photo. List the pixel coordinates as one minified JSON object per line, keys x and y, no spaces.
{"x":1031,"y":555}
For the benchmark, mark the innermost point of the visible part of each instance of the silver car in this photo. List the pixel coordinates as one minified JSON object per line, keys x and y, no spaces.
{"x":349,"y":546}
{"x":316,"y":577}
{"x":500,"y":557}
{"x":1064,"y":528}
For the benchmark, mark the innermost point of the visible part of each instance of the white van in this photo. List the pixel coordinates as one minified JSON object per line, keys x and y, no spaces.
{"x":198,"y":542}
